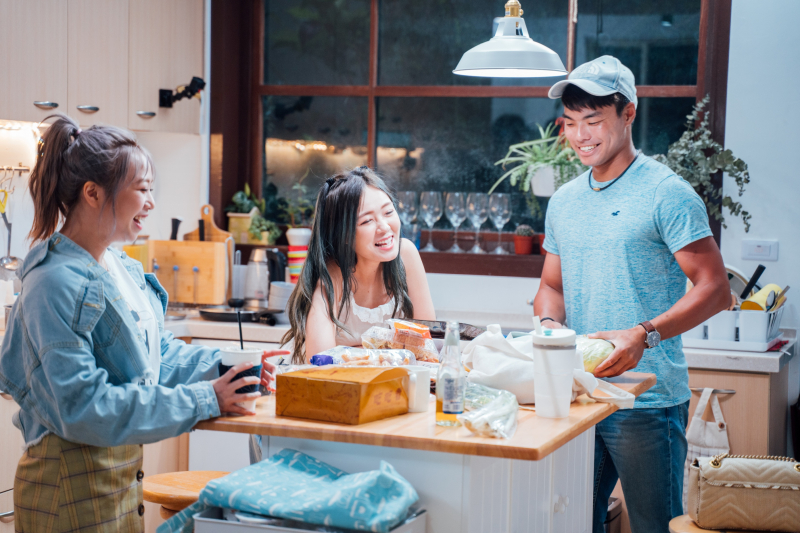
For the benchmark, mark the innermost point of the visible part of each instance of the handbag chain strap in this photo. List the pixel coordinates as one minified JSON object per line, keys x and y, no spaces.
{"x":716,"y":461}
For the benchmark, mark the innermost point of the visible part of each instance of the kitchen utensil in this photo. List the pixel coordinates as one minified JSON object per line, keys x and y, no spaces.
{"x":176,"y":222}
{"x":500,"y":214}
{"x":276,"y":265}
{"x":201,"y":229}
{"x":752,"y":282}
{"x":456,"y":211}
{"x":9,"y":262}
{"x":430,"y":204}
{"x":195,"y":271}
{"x":467,"y":332}
{"x":762,"y":300}
{"x":779,"y":300}
{"x":224,"y":313}
{"x":478,"y":213}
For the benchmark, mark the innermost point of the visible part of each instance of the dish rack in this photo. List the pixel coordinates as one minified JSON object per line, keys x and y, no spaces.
{"x":753,"y":326}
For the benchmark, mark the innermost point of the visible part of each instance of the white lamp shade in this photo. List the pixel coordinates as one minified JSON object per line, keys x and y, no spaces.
{"x":508,"y":55}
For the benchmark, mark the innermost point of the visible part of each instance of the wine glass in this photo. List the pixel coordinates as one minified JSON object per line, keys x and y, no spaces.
{"x":407,"y":206}
{"x":477,"y":212}
{"x":456,"y":210}
{"x":430,"y":204}
{"x":500,"y":213}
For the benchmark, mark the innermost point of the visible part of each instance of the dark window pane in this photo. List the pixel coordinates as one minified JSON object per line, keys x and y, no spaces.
{"x":421,"y":42}
{"x":658,"y":41}
{"x":316,"y":42}
{"x":314,"y":137}
{"x":659,"y":123}
{"x":452,"y":144}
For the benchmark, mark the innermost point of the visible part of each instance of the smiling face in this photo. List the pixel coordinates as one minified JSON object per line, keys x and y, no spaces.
{"x":134,"y":202}
{"x":377,"y":227}
{"x":598,"y":135}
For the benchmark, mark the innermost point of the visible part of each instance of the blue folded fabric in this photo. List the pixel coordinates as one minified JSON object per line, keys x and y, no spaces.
{"x":296,"y":486}
{"x":321,"y":360}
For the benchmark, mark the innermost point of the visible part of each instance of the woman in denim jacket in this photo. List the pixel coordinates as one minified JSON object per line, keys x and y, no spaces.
{"x":85,"y":354}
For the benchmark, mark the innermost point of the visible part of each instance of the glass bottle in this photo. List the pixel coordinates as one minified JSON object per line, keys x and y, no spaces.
{"x":451,"y":379}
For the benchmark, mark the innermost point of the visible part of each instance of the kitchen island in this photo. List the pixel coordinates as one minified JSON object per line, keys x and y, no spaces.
{"x":538,"y":480}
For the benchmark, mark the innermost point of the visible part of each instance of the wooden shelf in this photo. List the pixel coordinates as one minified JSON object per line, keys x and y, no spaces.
{"x":523,"y":266}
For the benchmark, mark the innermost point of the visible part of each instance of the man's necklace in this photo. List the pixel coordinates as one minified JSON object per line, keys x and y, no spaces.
{"x":598,"y":189}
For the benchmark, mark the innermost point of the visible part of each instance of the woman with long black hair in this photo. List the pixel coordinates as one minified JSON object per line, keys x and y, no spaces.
{"x":358,"y":271}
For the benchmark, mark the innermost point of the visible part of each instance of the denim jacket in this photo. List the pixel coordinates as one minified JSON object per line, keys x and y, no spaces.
{"x":75,"y":362}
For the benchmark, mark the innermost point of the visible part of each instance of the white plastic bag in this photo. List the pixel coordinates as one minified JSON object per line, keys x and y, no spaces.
{"x":507,"y":363}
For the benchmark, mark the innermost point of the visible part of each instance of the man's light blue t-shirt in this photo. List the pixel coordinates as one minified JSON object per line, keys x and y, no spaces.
{"x":617,"y":263}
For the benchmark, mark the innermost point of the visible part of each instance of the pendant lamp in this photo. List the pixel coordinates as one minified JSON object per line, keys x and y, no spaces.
{"x":511,"y":53}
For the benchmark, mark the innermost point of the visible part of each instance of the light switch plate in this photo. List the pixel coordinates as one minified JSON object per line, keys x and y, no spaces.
{"x":760,"y":250}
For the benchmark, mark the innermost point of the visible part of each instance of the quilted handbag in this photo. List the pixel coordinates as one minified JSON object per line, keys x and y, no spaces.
{"x":745,"y":492}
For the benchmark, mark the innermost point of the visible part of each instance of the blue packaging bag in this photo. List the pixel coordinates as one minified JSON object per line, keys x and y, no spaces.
{"x":296,"y":486}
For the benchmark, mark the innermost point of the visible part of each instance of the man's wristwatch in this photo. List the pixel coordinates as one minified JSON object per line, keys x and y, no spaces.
{"x":653,"y":337}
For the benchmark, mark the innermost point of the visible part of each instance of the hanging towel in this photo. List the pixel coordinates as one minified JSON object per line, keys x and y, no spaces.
{"x":705,"y":439}
{"x":296,"y":486}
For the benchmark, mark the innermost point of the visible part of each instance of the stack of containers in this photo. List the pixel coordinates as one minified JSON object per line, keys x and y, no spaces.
{"x":279,"y":293}
{"x":298,"y":250}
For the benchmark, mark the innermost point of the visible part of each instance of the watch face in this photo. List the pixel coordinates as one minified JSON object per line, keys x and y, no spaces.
{"x":653,"y":339}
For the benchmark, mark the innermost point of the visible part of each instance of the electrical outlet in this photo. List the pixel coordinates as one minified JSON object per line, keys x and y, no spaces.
{"x":760,"y":250}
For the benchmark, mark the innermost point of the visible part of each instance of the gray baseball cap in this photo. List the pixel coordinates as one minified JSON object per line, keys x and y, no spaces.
{"x":600,"y":77}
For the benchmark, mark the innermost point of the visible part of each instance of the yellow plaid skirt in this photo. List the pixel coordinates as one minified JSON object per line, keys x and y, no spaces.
{"x":61,"y":486}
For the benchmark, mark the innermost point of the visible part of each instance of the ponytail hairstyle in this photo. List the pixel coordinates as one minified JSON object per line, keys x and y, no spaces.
{"x":332,"y":239}
{"x":68,"y":158}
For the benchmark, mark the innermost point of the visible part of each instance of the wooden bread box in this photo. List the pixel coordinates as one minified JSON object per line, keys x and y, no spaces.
{"x":343,"y":395}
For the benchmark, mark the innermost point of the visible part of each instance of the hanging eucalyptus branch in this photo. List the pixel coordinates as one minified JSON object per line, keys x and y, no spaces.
{"x":696,"y":157}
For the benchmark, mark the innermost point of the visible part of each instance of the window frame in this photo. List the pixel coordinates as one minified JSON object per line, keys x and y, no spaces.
{"x":712,"y":67}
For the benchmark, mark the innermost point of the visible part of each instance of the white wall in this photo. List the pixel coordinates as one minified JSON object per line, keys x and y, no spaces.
{"x":761,"y":128}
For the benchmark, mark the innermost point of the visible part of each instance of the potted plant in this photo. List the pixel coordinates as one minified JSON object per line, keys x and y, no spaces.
{"x":246,"y":221}
{"x":299,"y":211}
{"x":696,"y":157}
{"x":542,"y":165}
{"x":523,"y":240}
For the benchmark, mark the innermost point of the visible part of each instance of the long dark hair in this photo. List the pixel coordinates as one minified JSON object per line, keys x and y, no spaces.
{"x":68,"y":158}
{"x":333,"y":239}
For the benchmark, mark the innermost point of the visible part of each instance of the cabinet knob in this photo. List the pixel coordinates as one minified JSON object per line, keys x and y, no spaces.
{"x":146,"y":114}
{"x":88,"y":108}
{"x":44,"y":104}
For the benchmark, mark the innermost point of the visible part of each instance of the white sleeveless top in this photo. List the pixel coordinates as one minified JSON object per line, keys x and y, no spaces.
{"x":359,"y":319}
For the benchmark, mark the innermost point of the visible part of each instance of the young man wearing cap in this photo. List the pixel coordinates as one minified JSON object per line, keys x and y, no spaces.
{"x":622,"y":239}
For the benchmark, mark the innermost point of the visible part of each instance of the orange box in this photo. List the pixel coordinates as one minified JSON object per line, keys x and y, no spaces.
{"x":343,"y":395}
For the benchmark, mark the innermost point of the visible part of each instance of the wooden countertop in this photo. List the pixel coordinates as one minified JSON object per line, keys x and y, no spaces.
{"x":534,"y":439}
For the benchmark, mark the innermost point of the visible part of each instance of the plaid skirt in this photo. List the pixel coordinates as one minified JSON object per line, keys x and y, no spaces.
{"x":61,"y":486}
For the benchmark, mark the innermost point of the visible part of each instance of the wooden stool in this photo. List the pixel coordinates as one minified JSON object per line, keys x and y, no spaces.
{"x":176,"y":491}
{"x":684,"y":524}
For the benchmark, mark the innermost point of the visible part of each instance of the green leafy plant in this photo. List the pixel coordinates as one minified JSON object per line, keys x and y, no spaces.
{"x":524,"y":230}
{"x":244,"y":202}
{"x":551,"y":150}
{"x":298,"y":208}
{"x":696,"y":157}
{"x":259,"y":224}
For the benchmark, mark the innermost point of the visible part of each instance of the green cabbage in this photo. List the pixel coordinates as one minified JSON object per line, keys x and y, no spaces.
{"x":595,"y":351}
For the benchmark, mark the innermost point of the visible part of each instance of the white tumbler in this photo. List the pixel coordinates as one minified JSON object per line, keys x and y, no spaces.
{"x":554,"y":356}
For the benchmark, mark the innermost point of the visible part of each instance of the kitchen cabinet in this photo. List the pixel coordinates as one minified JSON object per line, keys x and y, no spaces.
{"x":171,"y":455}
{"x":12,"y":443}
{"x":166,"y":50}
{"x":97,"y":88}
{"x":33,"y":59}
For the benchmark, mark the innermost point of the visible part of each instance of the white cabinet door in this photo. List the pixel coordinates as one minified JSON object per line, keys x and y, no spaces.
{"x":6,"y":505}
{"x":12,"y":443}
{"x":33,"y":59}
{"x":166,"y":50}
{"x":98,"y":62}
